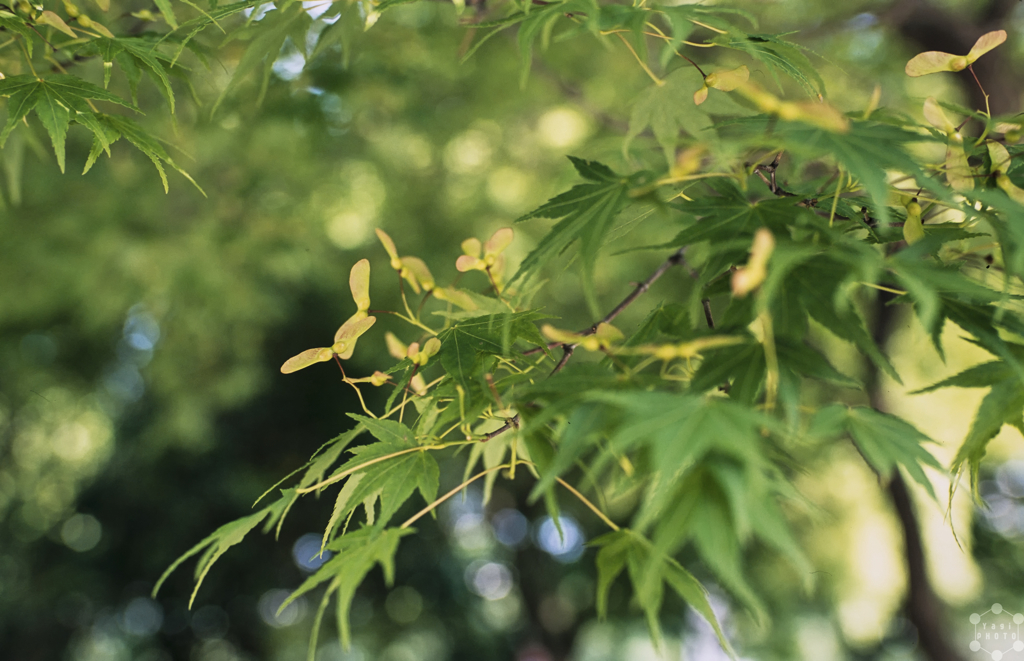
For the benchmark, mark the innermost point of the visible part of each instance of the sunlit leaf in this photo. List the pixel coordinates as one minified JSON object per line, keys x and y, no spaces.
{"x":346,"y":336}
{"x":985,"y":43}
{"x":53,"y":20}
{"x":359,"y":283}
{"x":305,"y":359}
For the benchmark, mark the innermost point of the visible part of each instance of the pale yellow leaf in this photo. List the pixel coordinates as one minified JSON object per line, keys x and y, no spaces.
{"x":934,"y":61}
{"x":54,"y":21}
{"x":933,"y":113}
{"x":305,"y":359}
{"x":984,"y":44}
{"x":359,"y":283}
{"x":727,"y":81}
{"x":471,"y":247}
{"x":88,"y":23}
{"x":999,"y":156}
{"x":498,"y":242}
{"x":701,"y":95}
{"x":389,"y":246}
{"x":396,"y":348}
{"x":958,"y":171}
{"x":419,"y":271}
{"x":468,"y":263}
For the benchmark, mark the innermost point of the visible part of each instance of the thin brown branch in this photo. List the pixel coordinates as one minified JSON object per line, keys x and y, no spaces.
{"x":674,"y":259}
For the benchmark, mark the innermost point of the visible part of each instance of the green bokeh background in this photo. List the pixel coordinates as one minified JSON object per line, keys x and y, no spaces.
{"x":141,"y":335}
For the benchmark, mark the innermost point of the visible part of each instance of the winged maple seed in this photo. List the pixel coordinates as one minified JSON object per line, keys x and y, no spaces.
{"x":687,"y":350}
{"x":747,"y":278}
{"x":816,"y":113}
{"x":492,"y":261}
{"x":958,"y":171}
{"x":1000,"y":166}
{"x":413,"y":269}
{"x":345,"y":338}
{"x":398,"y":350}
{"x":934,"y":61}
{"x":726,"y":81}
{"x":601,"y":339}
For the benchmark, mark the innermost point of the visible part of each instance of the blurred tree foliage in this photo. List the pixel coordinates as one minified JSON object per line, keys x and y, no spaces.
{"x":140,"y":332}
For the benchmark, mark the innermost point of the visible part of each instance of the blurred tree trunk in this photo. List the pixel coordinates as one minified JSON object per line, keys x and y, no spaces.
{"x":929,"y":27}
{"x":923,"y":608}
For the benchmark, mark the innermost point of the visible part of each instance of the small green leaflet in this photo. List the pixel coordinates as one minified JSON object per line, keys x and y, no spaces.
{"x":884,"y":440}
{"x":135,"y":56}
{"x":219,"y":542}
{"x":267,"y":36}
{"x":813,"y":288}
{"x":315,"y":468}
{"x":356,"y":554}
{"x":56,"y":100}
{"x":682,"y":17}
{"x":540,"y":21}
{"x":866,"y":151}
{"x":17,"y":25}
{"x":168,"y":12}
{"x":779,"y":56}
{"x":386,"y":431}
{"x":109,"y":128}
{"x":389,"y":470}
{"x":586,"y":212}
{"x":648,"y":572}
{"x":668,"y":109}
{"x":463,"y":343}
{"x":984,"y":375}
{"x":927,"y":280}
{"x":1002,"y":405}
{"x":729,"y":216}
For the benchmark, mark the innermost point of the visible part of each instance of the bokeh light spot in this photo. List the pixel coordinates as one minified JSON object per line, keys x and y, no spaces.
{"x":142,"y":617}
{"x":306,"y":552}
{"x":566,"y":546}
{"x":490,"y":580}
{"x":404,"y":604}
{"x":563,"y":127}
{"x":510,"y":527}
{"x":81,"y":533}
{"x":210,"y":622}
{"x":270,"y":603}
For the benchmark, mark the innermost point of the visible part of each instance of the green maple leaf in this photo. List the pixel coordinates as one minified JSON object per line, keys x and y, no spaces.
{"x":267,"y":37}
{"x":464,"y":343}
{"x":1002,"y":405}
{"x":388,"y":471}
{"x":649,"y":571}
{"x":884,"y":440}
{"x":669,"y":111}
{"x":866,"y":151}
{"x":218,"y":542}
{"x":322,"y":459}
{"x":586,"y":212}
{"x":356,"y":553}
{"x":55,"y":100}
{"x":730,"y":216}
{"x":779,"y":55}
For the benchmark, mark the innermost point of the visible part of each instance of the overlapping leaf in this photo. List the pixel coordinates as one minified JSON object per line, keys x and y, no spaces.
{"x":466,"y":341}
{"x":55,"y":100}
{"x":587,"y":212}
{"x":388,"y":471}
{"x":648,"y":571}
{"x":884,"y":440}
{"x":356,"y":553}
